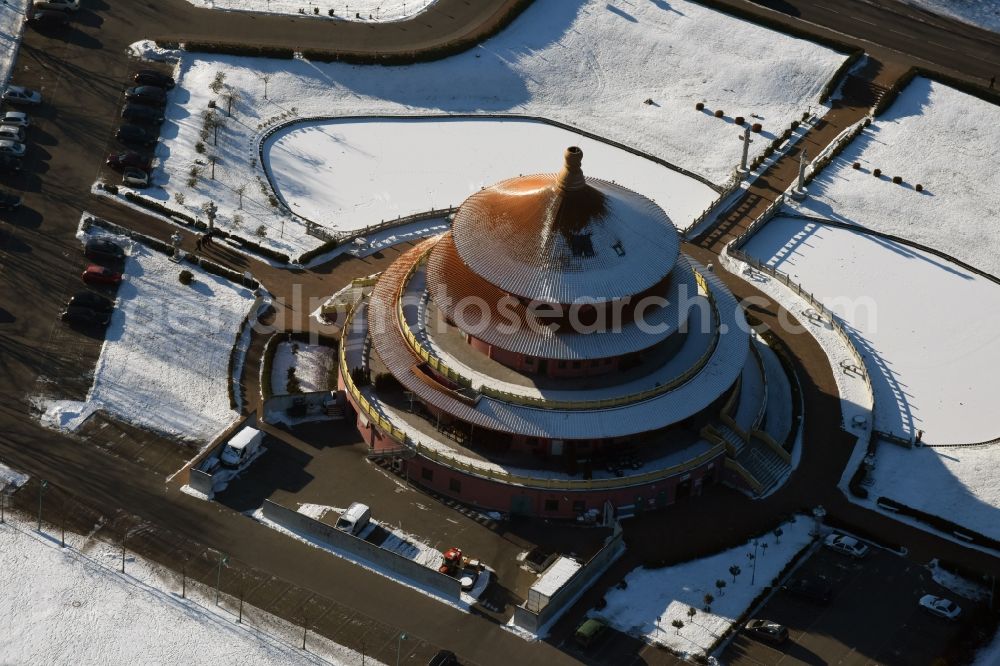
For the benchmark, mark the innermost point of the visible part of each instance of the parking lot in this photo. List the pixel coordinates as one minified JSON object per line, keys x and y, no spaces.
{"x":873,"y":618}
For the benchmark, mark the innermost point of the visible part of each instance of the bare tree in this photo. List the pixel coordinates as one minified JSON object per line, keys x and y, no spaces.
{"x":241,"y":190}
{"x":231,"y":96}
{"x":265,"y":77}
{"x":218,"y":82}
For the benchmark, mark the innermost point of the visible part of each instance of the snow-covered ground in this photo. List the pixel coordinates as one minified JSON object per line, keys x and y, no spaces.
{"x":340,"y":173}
{"x":312,"y":365}
{"x":353,"y":10}
{"x":11,"y":479}
{"x":940,"y":138}
{"x":655,"y":598}
{"x":590,"y":65}
{"x":989,"y":655}
{"x":982,"y":13}
{"x":11,"y":25}
{"x":926,"y":327}
{"x":164,"y":363}
{"x":73,"y":605}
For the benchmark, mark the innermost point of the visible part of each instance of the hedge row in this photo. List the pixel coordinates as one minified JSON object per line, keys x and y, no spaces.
{"x":388,"y":59}
{"x":221,"y":271}
{"x":892,"y":92}
{"x":308,"y":256}
{"x":939,"y":523}
{"x":831,"y":85}
{"x":232,"y":361}
{"x":156,"y":206}
{"x":267,"y":363}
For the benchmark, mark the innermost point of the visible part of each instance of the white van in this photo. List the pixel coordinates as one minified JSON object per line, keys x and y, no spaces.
{"x":242,"y":447}
{"x":354,"y":519}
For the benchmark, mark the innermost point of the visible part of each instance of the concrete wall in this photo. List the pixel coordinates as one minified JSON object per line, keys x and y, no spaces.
{"x":573,"y":588}
{"x":279,"y":403}
{"x":197,"y":477}
{"x":414,"y":573}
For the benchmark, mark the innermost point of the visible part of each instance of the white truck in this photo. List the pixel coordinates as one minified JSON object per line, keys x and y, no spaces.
{"x":354,"y":519}
{"x":241,"y":448}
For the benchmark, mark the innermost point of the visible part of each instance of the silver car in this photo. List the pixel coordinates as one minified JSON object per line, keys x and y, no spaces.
{"x":15,"y":148}
{"x":16,"y":118}
{"x":12,"y":132}
{"x":71,"y":5}
{"x":22,"y":95}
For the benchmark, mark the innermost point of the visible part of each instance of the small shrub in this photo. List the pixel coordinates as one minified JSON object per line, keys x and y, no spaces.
{"x":739,"y":120}
{"x":186,"y":277}
{"x":192,"y":182}
{"x":856,"y":165}
{"x":330,"y":12}
{"x":877,"y":173}
{"x":868,"y":121}
{"x":898,"y":180}
{"x":199,"y":147}
{"x":756,"y":127}
{"x":769,"y":151}
{"x":700,"y":106}
{"x":179,"y":198}
{"x":795,"y":124}
{"x":113,"y":189}
{"x":261,"y":231}
{"x":719,"y":113}
{"x":918,"y":187}
{"x":292,"y":384}
{"x":273,"y":200}
{"x":315,"y":10}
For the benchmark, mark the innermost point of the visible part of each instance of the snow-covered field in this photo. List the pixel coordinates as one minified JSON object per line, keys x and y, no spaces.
{"x":655,"y":598}
{"x":74,"y":605}
{"x":11,"y":25}
{"x":11,"y":479}
{"x":341,"y":173}
{"x":926,"y":327}
{"x":164,"y":363}
{"x":312,"y":365}
{"x":982,"y":13}
{"x":589,"y":64}
{"x":353,"y":10}
{"x":940,"y":138}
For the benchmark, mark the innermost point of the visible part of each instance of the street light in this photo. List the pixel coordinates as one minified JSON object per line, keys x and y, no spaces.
{"x":399,"y":645}
{"x":218,"y":577}
{"x":41,"y":488}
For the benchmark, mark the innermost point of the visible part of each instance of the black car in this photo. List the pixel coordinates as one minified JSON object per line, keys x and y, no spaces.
{"x":133,"y":134}
{"x":151,"y":77}
{"x":147,"y":95}
{"x":810,"y":589}
{"x":80,"y":315}
{"x":9,"y":201}
{"x":100,"y":249}
{"x":47,"y":17}
{"x":9,"y":163}
{"x":142,"y":113}
{"x":91,"y":301}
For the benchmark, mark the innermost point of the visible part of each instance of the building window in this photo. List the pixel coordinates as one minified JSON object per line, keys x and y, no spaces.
{"x":426,"y":474}
{"x":579,"y":506}
{"x":551,"y":505}
{"x":576,"y":365}
{"x":562,"y":364}
{"x":454,"y":485}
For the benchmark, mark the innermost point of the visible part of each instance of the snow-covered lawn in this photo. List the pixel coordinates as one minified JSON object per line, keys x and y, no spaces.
{"x":655,"y":598}
{"x":926,"y":327}
{"x":940,"y":138}
{"x":982,"y":13}
{"x":345,"y":173}
{"x":352,"y":10}
{"x":164,"y":363}
{"x":11,"y":479}
{"x":73,"y":605}
{"x":11,"y":25}
{"x":589,"y":64}
{"x":312,"y":365}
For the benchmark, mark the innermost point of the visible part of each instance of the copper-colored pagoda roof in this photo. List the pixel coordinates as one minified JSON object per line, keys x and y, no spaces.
{"x":559,"y":238}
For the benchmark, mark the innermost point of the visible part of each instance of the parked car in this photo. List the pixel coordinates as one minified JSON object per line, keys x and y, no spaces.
{"x":101,"y":249}
{"x":9,"y":162}
{"x":142,"y":136}
{"x":47,"y":17}
{"x":142,"y":113}
{"x":355,"y":519}
{"x":589,"y":631}
{"x":22,"y":95}
{"x":767,"y":631}
{"x":12,"y":132}
{"x":129,"y":158}
{"x":9,"y":201}
{"x":81,"y":315}
{"x":67,"y":5}
{"x":135,"y":177}
{"x":846,"y":545}
{"x":15,"y":148}
{"x":940,"y":606}
{"x":91,"y":301}
{"x":147,"y":95}
{"x":241,"y":448}
{"x":151,"y":77}
{"x":810,"y":589}
{"x":95,"y":274}
{"x":16,"y":118}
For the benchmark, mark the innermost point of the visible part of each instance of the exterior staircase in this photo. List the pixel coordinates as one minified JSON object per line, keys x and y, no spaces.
{"x":763,"y":463}
{"x":732,"y":438}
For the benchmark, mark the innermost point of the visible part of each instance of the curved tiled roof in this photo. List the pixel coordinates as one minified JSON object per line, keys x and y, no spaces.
{"x":486,"y":312}
{"x":560,"y":238}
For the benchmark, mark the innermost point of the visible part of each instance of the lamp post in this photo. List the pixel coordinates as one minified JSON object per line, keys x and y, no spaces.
{"x":399,"y":645}
{"x":223,"y":559}
{"x":41,"y":489}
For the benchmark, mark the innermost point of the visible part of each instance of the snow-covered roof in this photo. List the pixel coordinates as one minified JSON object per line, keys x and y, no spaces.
{"x":555,"y":576}
{"x":560,"y":238}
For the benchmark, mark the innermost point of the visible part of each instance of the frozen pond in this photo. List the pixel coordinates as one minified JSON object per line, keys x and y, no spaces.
{"x":349,"y":173}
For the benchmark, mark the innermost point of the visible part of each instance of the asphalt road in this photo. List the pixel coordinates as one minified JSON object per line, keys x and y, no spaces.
{"x":81,"y":76}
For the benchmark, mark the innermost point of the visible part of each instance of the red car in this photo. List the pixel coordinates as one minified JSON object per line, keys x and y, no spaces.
{"x":95,"y":274}
{"x":128,"y":159}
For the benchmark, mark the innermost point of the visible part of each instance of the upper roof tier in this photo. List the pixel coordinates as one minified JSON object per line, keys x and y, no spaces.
{"x":560,"y":238}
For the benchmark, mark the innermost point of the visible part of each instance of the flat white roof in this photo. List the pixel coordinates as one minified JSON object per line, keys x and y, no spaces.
{"x":243,"y":437}
{"x":556,"y":576}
